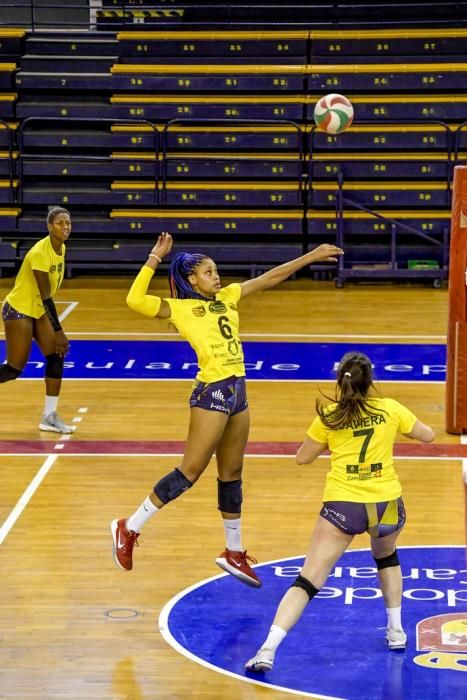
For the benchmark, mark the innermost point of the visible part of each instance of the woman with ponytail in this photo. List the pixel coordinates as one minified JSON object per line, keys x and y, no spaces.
{"x":206,"y":315}
{"x":362,"y":494}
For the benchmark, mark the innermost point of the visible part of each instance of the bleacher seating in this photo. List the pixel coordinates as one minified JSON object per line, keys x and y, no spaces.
{"x":209,"y":133}
{"x":241,"y":14}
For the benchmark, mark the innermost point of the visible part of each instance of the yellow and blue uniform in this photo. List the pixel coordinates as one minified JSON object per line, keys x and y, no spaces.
{"x":25,"y":297}
{"x":212,"y":329}
{"x":362,"y":490}
{"x":362,"y":465}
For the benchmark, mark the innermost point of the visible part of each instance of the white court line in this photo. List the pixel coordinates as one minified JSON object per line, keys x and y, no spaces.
{"x":27,"y":495}
{"x":342,"y":336}
{"x":249,"y":379}
{"x":31,"y":489}
{"x":164,"y":627}
{"x":71,"y":306}
{"x":414,"y":458}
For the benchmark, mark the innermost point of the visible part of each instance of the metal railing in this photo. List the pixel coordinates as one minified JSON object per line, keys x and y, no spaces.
{"x":230,"y":123}
{"x":395,"y":227}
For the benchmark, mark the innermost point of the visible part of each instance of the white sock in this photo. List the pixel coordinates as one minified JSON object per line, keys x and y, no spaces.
{"x":51,"y":403}
{"x":146,"y":510}
{"x":274,"y":638}
{"x":394,"y":618}
{"x":233,"y":534}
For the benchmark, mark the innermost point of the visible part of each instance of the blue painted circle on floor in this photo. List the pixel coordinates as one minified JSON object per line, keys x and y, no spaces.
{"x":338,"y":648}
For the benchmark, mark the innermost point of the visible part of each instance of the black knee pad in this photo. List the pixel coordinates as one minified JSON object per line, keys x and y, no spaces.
{"x":307,"y":586}
{"x":229,"y":496}
{"x":54,"y":366}
{"x":384,"y":562}
{"x":172,"y":486}
{"x":8,"y":373}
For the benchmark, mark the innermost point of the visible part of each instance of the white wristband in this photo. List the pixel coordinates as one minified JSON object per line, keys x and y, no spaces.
{"x":153,"y":255}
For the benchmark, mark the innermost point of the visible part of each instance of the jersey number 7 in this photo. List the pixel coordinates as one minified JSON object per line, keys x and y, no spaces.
{"x":367,"y":433}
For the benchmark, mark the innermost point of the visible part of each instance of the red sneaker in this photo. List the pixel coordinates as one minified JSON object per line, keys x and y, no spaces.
{"x":236,"y":563}
{"x":123,"y":542}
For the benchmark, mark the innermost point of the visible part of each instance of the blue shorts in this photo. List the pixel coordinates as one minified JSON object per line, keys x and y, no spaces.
{"x":378,"y":519}
{"x":226,"y":396}
{"x":10,"y":314}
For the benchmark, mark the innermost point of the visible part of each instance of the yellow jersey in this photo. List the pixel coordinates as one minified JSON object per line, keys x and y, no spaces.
{"x":212,"y":329}
{"x":362,"y":466}
{"x":25,"y":296}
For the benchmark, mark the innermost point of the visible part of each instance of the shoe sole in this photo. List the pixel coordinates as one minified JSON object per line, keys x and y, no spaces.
{"x":223,"y":564}
{"x":49,"y":429}
{"x":260,"y":666}
{"x":113,"y":530}
{"x":397,"y":647}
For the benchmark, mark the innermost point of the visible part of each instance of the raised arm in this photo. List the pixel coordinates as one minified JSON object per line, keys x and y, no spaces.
{"x":323,"y":253}
{"x":137,"y":299}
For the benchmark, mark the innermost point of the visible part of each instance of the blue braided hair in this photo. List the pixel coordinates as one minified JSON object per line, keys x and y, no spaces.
{"x":181,"y":266}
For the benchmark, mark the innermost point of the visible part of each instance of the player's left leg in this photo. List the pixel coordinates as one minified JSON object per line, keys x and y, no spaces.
{"x":44,"y":336}
{"x":229,"y":455}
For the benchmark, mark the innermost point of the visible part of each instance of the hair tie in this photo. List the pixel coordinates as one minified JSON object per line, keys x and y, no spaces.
{"x":347,"y":374}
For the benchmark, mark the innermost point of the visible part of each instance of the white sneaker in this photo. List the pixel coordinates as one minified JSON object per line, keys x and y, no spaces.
{"x":396,"y":639}
{"x":54,"y":424}
{"x":263,"y":661}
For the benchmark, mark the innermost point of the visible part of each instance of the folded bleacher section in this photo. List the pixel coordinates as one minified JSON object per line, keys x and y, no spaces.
{"x":209,"y":134}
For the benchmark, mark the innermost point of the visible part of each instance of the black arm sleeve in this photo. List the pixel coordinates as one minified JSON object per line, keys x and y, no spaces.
{"x":52,"y":313}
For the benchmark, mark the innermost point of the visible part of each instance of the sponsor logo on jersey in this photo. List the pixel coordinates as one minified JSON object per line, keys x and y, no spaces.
{"x":217,"y":307}
{"x":198,"y":311}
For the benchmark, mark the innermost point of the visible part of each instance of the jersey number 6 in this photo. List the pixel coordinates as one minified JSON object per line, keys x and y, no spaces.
{"x":224,"y":327}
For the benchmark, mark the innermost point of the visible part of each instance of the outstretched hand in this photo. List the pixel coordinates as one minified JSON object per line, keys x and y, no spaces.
{"x":163,"y":245}
{"x":325,"y":253}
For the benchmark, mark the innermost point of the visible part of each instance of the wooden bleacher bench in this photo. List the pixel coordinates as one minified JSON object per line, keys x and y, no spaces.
{"x":157,"y":107}
{"x":208,"y":77}
{"x":267,"y":44}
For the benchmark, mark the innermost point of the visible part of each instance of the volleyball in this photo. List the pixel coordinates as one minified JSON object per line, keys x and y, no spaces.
{"x":333,"y":113}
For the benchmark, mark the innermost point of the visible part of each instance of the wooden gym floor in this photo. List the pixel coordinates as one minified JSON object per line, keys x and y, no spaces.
{"x":72,"y":624}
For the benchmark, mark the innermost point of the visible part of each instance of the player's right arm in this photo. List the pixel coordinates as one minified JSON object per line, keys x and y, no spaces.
{"x":137,"y":299}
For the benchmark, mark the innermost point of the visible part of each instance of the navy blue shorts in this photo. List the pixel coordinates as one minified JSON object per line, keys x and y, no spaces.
{"x":10,"y":314}
{"x":227,"y":396}
{"x":378,"y":519}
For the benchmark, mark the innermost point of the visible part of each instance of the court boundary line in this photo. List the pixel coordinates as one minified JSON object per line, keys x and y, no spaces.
{"x":249,"y":379}
{"x":408,"y":458}
{"x":161,"y":334}
{"x":171,"y":641}
{"x":26,"y":496}
{"x":71,"y":307}
{"x":163,"y":625}
{"x":324,"y":336}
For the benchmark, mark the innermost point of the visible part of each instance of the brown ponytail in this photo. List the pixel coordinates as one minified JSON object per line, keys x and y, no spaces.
{"x":354,"y":382}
